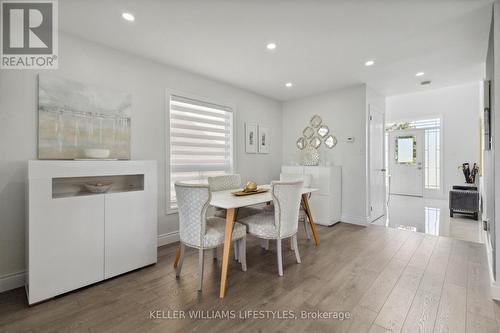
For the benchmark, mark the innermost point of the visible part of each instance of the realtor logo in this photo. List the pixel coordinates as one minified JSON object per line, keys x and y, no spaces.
{"x":29,"y":34}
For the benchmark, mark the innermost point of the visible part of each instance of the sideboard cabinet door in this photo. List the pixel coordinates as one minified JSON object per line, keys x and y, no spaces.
{"x":66,"y":242}
{"x":130,"y":232}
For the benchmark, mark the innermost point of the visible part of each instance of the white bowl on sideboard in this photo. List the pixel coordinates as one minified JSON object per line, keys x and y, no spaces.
{"x":96,"y":153}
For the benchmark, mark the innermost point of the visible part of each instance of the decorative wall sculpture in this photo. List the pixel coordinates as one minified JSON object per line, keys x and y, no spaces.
{"x":313,"y":136}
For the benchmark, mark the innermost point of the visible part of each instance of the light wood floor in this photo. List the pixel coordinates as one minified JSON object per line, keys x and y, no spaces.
{"x":389,"y":279}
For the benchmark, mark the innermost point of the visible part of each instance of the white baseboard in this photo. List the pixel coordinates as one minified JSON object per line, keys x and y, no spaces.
{"x":495,"y":290}
{"x":494,"y":285}
{"x":12,"y":281}
{"x":168,"y":238}
{"x":358,"y":220}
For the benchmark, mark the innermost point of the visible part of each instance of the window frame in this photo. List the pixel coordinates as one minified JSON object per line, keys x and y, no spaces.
{"x":168,"y":95}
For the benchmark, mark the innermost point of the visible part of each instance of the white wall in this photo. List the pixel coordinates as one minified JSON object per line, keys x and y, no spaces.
{"x":344,"y":111}
{"x":496,"y":135}
{"x":458,"y":107}
{"x":488,"y":178}
{"x":95,"y":64}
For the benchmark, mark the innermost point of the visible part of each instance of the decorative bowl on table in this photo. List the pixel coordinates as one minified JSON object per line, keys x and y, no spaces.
{"x":95,"y":153}
{"x":251,"y":186}
{"x":98,"y":187}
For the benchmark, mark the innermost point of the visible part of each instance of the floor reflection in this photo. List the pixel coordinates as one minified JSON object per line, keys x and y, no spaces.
{"x":430,"y":216}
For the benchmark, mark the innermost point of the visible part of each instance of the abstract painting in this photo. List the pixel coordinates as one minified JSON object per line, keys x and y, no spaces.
{"x":74,"y":116}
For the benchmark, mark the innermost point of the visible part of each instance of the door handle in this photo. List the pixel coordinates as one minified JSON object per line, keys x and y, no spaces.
{"x":383,"y":170}
{"x":419,"y":168}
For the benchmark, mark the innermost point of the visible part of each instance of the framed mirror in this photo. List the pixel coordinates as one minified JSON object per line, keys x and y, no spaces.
{"x":315,"y":142}
{"x":308,"y":132}
{"x":315,"y":121}
{"x":323,"y":131}
{"x":406,"y":150}
{"x":301,"y":143}
{"x":330,"y":141}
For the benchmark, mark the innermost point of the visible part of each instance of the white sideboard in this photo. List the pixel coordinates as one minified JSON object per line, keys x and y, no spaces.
{"x":326,"y":204}
{"x":75,"y":238}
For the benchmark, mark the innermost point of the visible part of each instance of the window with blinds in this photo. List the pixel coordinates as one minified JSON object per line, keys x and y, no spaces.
{"x":200,"y":141}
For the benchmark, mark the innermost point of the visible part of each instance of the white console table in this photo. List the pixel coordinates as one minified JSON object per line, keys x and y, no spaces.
{"x":326,"y":203}
{"x":75,"y":238}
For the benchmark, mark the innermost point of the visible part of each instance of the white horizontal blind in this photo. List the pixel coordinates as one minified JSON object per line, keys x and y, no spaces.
{"x":200,"y":141}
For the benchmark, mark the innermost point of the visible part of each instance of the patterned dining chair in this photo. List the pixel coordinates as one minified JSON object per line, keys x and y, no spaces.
{"x":225,"y":183}
{"x":282,"y":222}
{"x":199,"y":231}
{"x":307,"y":179}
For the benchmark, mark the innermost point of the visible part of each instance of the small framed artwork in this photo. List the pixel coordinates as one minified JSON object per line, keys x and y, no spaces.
{"x":251,"y":138}
{"x":263,"y":140}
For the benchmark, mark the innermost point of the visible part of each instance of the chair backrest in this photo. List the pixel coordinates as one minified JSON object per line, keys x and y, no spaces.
{"x":223,"y":183}
{"x":192,"y":203}
{"x":307,"y":179}
{"x":286,"y":196}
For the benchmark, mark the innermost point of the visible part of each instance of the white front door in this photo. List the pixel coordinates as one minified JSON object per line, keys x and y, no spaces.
{"x":406,"y":155}
{"x":377,"y":168}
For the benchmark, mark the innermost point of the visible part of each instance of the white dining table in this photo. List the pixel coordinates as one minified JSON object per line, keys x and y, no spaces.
{"x":231,"y":202}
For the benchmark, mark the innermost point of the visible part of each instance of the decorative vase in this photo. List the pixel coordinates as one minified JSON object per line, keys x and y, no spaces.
{"x":310,"y":156}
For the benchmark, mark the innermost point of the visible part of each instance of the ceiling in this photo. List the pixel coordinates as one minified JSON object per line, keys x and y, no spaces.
{"x":321,"y":45}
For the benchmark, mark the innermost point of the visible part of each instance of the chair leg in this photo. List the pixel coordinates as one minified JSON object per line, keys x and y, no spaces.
{"x":306,"y":228}
{"x":200,"y":268}
{"x":243,"y":253}
{"x":279,"y":254}
{"x":296,"y":248}
{"x":235,"y":245}
{"x":178,"y":269}
{"x":177,"y":256}
{"x":215,"y":253}
{"x":264,"y":243}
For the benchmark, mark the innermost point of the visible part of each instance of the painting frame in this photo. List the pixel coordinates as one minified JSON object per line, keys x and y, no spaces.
{"x":76,"y":118}
{"x":251,"y":138}
{"x":263,"y":140}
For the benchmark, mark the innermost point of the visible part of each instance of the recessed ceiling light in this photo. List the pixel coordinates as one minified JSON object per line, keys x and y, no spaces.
{"x":288,"y":84}
{"x":127,"y":16}
{"x":370,"y":63}
{"x":271,"y":46}
{"x":420,"y":74}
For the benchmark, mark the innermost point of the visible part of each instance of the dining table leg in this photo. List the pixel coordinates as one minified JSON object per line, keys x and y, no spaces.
{"x":228,"y":235}
{"x":305,"y":202}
